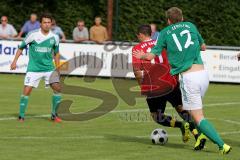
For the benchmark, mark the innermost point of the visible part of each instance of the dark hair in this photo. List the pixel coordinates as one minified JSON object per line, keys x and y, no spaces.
{"x":98,"y":17}
{"x":80,"y":20}
{"x":144,"y":29}
{"x":46,"y":15}
{"x":174,"y":14}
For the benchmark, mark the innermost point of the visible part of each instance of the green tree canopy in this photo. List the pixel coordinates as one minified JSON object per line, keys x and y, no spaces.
{"x":218,"y":20}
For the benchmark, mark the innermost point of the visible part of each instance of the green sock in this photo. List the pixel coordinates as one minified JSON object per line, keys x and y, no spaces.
{"x":23,"y":105}
{"x":210,"y":132}
{"x":56,"y":99}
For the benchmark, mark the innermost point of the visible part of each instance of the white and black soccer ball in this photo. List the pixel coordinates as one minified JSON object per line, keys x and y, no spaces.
{"x":159,"y":136}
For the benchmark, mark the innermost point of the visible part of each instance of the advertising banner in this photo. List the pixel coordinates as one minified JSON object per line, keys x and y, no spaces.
{"x":114,"y":60}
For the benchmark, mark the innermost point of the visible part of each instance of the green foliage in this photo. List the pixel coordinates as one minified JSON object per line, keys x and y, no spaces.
{"x":122,"y":134}
{"x":218,"y":20}
{"x":66,"y":12}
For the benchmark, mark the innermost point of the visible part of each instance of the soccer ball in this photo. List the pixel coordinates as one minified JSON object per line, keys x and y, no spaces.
{"x":159,"y":136}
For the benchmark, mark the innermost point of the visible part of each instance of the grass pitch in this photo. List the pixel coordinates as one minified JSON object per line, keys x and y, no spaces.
{"x":121,"y":134}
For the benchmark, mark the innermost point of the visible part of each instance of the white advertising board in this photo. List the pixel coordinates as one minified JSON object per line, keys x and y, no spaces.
{"x":115,"y":61}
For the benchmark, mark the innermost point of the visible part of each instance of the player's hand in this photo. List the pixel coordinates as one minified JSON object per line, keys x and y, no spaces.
{"x":13,"y":66}
{"x":5,"y":36}
{"x":238,"y":56}
{"x":138,"y":54}
{"x":63,"y":40}
{"x":139,"y":74}
{"x":203,"y":47}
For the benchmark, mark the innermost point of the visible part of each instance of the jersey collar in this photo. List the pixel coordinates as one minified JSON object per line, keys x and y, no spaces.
{"x":148,"y":40}
{"x":49,"y":33}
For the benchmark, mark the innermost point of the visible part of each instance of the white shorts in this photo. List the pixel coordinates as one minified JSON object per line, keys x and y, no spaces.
{"x":193,"y":86}
{"x":33,"y":78}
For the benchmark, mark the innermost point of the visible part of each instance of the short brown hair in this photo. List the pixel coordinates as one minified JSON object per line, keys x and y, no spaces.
{"x":174,"y":14}
{"x":46,"y":15}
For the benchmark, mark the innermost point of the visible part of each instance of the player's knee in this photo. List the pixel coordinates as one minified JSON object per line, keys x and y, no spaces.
{"x":26,"y":93}
{"x":197,"y":115}
{"x":27,"y":90}
{"x":56,"y":87}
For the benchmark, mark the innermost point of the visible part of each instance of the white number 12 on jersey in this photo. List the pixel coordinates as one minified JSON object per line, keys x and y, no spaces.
{"x":188,"y":42}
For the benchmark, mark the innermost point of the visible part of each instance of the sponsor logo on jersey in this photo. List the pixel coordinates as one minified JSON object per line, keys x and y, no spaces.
{"x":43,"y":49}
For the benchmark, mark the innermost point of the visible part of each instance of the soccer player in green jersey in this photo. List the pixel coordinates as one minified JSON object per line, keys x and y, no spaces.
{"x":43,"y":48}
{"x":183,"y":43}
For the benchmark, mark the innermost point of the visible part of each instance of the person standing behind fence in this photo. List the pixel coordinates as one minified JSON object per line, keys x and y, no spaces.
{"x":155,"y":33}
{"x":29,"y":25}
{"x":6,"y":30}
{"x":80,"y":33}
{"x":98,"y":33}
{"x":58,"y":31}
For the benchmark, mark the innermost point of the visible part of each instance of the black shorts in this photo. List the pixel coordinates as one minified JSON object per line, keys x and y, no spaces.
{"x":158,"y":104}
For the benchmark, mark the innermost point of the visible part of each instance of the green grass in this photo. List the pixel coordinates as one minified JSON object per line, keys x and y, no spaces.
{"x":113,"y":136}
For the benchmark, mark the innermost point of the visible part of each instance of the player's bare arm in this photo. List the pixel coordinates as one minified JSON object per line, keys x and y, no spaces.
{"x":14,"y":63}
{"x":144,"y":56}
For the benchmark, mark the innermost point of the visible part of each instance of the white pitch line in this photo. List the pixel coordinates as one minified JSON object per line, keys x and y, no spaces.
{"x":145,"y":109}
{"x":221,"y":104}
{"x":41,"y":137}
{"x":177,"y":135}
{"x":226,"y":120}
{"x":94,"y":137}
{"x":207,"y":105}
{"x":230,"y":121}
{"x":123,"y":111}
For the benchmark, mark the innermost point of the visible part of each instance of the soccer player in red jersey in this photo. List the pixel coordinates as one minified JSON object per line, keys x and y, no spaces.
{"x":160,"y":87}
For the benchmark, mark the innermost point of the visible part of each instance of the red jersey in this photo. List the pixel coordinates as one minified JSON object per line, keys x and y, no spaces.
{"x":157,"y":80}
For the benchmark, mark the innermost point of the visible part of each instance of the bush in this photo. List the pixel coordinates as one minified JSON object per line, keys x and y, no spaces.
{"x":218,"y":20}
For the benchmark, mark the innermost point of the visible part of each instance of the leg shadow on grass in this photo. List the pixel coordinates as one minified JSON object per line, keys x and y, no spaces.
{"x":142,"y":140}
{"x":147,"y":141}
{"x":14,"y":116}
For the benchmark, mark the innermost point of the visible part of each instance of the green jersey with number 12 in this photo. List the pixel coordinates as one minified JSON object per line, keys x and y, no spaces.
{"x":41,"y":50}
{"x":183,"y":42}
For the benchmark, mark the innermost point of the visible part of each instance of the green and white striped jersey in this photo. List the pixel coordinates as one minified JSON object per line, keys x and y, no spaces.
{"x":42,"y":48}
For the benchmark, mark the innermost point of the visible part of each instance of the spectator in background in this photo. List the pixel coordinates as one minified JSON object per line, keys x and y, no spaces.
{"x":98,"y":33}
{"x":29,"y":25}
{"x":155,"y":33}
{"x":80,"y":33}
{"x":58,"y":31}
{"x":6,"y":30}
{"x":238,"y":56}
